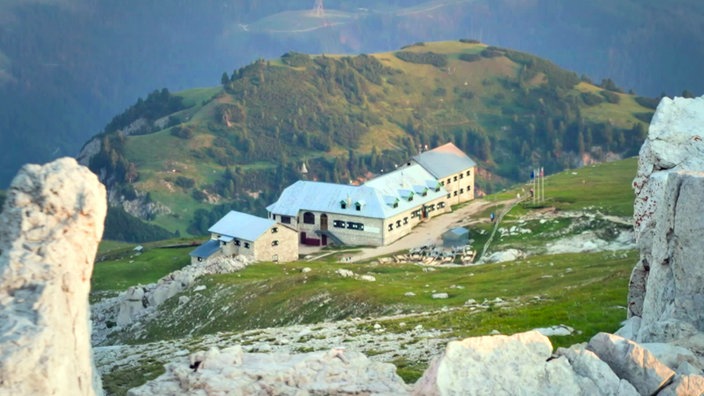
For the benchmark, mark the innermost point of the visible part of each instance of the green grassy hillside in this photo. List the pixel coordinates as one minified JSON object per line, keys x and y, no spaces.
{"x":349,"y":117}
{"x":586,"y":291}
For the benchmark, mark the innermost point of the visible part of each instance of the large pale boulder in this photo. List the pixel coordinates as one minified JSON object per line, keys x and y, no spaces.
{"x":594,"y":375}
{"x":517,"y":364}
{"x":674,"y":143}
{"x":232,"y":372}
{"x":632,"y":362}
{"x":49,"y":232}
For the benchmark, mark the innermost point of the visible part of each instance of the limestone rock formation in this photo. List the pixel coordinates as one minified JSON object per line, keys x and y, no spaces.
{"x":632,"y":362}
{"x":674,"y":143}
{"x":49,"y":232}
{"x":138,"y":302}
{"x":502,"y":365}
{"x":230,"y":371}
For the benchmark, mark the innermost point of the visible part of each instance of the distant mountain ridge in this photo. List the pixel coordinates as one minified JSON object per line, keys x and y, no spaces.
{"x":347,"y":118}
{"x":66,"y":66}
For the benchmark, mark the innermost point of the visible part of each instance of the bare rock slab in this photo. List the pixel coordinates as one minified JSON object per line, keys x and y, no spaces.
{"x":232,"y":372}
{"x":49,"y":233}
{"x":632,"y":362}
{"x":499,"y":365}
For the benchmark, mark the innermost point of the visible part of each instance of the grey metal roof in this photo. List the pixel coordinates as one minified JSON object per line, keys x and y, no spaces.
{"x":241,"y":226}
{"x":444,"y":161}
{"x":206,"y":250}
{"x":377,"y":196}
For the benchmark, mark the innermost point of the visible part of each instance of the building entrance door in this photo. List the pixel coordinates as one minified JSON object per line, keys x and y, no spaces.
{"x":323,"y":222}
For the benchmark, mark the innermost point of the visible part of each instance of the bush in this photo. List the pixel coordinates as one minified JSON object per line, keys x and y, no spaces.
{"x":492,"y":52}
{"x":182,"y":132}
{"x":295,"y":59}
{"x":591,"y":99}
{"x":651,"y":103}
{"x":610,"y":97}
{"x":469,"y":41}
{"x":427,"y":58}
{"x":470,"y":57}
{"x":184,"y":182}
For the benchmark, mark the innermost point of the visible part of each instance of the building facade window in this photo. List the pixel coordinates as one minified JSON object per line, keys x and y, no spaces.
{"x":355,"y":226}
{"x":308,"y":218}
{"x":391,"y":227}
{"x":274,"y":230}
{"x":469,"y":173}
{"x":246,"y":245}
{"x":398,"y":223}
{"x":237,"y":242}
{"x":405,"y":220}
{"x":449,"y":195}
{"x":338,"y":224}
{"x":461,"y":190}
{"x":285,"y":219}
{"x":454,"y":178}
{"x":275,"y":243}
{"x":454,"y":193}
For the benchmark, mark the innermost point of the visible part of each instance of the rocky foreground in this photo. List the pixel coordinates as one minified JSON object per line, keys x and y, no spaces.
{"x":52,"y":223}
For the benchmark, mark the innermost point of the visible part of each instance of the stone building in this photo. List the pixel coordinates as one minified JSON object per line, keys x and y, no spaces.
{"x":255,"y":237}
{"x":383,"y":209}
{"x":453,"y":169}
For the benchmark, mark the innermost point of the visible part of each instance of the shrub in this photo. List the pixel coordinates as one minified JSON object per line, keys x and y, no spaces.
{"x":610,"y":97}
{"x":492,"y":52}
{"x":651,"y":103}
{"x":591,"y":99}
{"x":184,"y":182}
{"x":428,"y":58}
{"x":182,"y":132}
{"x":295,"y":59}
{"x":470,"y":57}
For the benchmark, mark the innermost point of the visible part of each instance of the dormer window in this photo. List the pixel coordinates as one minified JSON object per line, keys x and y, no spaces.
{"x":359,"y":205}
{"x":343,"y":205}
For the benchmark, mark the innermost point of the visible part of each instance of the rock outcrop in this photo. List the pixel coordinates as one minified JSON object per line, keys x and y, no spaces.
{"x":502,"y":365}
{"x":49,"y":232}
{"x":231,"y":371}
{"x":138,"y":302}
{"x":667,"y":285}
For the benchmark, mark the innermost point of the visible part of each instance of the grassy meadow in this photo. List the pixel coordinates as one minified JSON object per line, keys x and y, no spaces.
{"x":586,"y":291}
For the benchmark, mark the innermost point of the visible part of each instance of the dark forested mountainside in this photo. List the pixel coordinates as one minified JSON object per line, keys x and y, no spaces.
{"x":67,"y":66}
{"x":348,"y":118}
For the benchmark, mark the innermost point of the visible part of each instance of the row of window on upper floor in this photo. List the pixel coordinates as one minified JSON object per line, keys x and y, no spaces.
{"x":456,"y":177}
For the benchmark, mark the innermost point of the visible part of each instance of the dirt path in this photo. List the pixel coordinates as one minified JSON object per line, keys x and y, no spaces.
{"x":429,"y":233}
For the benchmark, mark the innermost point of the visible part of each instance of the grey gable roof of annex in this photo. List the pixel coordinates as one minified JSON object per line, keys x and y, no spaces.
{"x":376,"y":196}
{"x":241,"y":226}
{"x":444,"y":160}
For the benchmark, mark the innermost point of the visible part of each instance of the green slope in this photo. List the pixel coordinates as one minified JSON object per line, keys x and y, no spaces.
{"x":349,"y":117}
{"x":586,"y":291}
